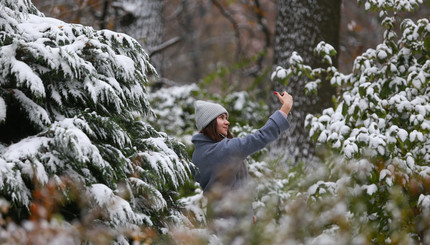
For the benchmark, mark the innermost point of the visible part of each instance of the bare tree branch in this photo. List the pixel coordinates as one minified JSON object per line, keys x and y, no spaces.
{"x":235,"y":25}
{"x":163,"y":46}
{"x":265,"y":29}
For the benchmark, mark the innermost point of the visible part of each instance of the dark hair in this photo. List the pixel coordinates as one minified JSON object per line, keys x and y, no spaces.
{"x":211,"y":132}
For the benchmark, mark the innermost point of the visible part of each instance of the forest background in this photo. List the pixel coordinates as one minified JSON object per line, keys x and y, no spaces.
{"x":198,"y":38}
{"x":227,"y":46}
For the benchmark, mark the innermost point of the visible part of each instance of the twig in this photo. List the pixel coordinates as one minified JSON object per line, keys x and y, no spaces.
{"x":230,"y":18}
{"x":163,"y":46}
{"x":266,"y":31}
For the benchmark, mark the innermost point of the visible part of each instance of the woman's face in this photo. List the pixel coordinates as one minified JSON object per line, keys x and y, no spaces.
{"x":222,"y":124}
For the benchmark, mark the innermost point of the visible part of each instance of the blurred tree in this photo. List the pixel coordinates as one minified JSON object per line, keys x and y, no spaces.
{"x":143,"y":20}
{"x":300,"y":26}
{"x":96,"y":13}
{"x":220,"y":35}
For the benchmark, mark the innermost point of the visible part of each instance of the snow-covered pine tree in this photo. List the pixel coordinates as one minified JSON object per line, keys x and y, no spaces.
{"x":71,"y":103}
{"x":382,"y":115}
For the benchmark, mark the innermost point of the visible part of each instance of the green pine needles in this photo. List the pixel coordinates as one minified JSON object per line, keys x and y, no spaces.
{"x":71,"y":103}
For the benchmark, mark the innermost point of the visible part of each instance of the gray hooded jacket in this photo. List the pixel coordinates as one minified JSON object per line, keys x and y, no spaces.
{"x":221,"y":163}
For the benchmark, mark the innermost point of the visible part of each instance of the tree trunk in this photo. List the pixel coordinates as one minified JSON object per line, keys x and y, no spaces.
{"x":143,"y":20}
{"x":300,"y":26}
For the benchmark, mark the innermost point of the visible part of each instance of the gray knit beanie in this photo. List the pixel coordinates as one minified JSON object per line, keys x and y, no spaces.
{"x":206,"y":112}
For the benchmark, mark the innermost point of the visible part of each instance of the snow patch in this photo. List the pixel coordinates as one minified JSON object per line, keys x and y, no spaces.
{"x":2,"y":110}
{"x":27,"y":147}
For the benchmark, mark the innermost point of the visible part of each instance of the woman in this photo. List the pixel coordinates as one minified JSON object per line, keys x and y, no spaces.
{"x":218,"y":156}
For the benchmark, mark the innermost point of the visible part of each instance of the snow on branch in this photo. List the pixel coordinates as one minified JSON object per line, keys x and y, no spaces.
{"x":395,"y":5}
{"x":81,"y":93}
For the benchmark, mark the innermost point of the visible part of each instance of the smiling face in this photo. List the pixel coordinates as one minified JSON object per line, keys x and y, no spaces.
{"x":222,"y":124}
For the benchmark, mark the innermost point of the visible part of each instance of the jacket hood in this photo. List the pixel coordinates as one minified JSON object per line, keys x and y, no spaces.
{"x":201,"y":139}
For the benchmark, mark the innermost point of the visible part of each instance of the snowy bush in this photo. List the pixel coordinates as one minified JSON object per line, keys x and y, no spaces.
{"x":381,"y":114}
{"x":72,"y":105}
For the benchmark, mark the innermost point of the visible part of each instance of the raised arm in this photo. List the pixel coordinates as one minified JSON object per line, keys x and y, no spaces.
{"x":276,"y":124}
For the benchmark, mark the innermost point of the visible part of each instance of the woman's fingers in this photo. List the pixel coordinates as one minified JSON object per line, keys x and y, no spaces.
{"x":287,"y":97}
{"x":279,"y":97}
{"x":286,"y":100}
{"x":283,"y":96}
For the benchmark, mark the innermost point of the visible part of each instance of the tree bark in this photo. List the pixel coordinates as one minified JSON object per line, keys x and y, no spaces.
{"x":143,"y":20}
{"x":300,"y":26}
